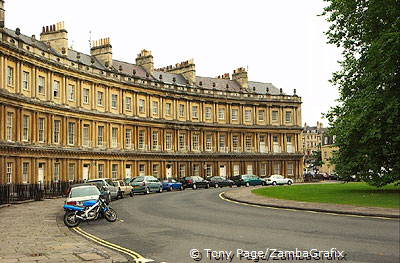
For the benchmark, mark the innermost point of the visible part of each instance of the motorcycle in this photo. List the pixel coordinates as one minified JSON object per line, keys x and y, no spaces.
{"x":91,"y":210}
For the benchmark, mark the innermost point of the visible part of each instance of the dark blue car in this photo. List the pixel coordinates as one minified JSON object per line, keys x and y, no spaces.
{"x":171,"y":184}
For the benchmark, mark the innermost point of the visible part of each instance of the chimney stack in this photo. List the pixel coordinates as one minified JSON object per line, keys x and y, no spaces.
{"x":2,"y":14}
{"x":102,"y":50}
{"x":186,"y":68}
{"x":240,"y":75}
{"x":56,"y":36}
{"x":145,"y":59}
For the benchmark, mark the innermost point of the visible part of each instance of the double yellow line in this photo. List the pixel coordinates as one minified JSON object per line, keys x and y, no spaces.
{"x":136,"y":256}
{"x":221,"y":195}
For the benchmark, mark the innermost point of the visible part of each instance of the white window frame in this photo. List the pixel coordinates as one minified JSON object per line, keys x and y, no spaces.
{"x":234,"y":114}
{"x":56,"y":172}
{"x":56,"y":89}
{"x":114,"y":137}
{"x":100,"y":136}
{"x":209,"y":142}
{"x":10,"y":76}
{"x":288,"y":116}
{"x":71,"y":172}
{"x":154,"y":107}
{"x":25,"y":80}
{"x":208,"y":113}
{"x":221,"y":114}
{"x":275,"y":116}
{"x":128,"y":138}
{"x":25,"y":172}
{"x":9,"y":172}
{"x":25,"y":128}
{"x":141,"y":139}
{"x":155,"y":140}
{"x":71,"y":133}
{"x":181,"y":110}
{"x":56,"y":131}
{"x":168,"y":109}
{"x":261,"y":115}
{"x":247,"y":115}
{"x":41,"y":129}
{"x":128,"y":103}
{"x":71,"y":92}
{"x":114,"y":101}
{"x":86,"y":96}
{"x":10,"y":127}
{"x":114,"y":171}
{"x":196,"y":142}
{"x":182,"y":141}
{"x":100,"y":170}
{"x":142,"y":108}
{"x":182,"y":170}
{"x":100,"y":98}
{"x":195,"y":112}
{"x":86,"y":135}
{"x":168,"y":141}
{"x":41,"y":85}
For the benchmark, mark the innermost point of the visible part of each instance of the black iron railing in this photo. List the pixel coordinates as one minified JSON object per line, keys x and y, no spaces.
{"x":10,"y":193}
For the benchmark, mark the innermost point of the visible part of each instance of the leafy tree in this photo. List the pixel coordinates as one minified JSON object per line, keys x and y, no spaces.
{"x":316,"y":158}
{"x":366,"y":121}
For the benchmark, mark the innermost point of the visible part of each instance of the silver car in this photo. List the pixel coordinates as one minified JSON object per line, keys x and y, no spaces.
{"x":108,"y":186}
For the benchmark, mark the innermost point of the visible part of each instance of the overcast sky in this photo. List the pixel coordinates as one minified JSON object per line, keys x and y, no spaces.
{"x":279,"y":41}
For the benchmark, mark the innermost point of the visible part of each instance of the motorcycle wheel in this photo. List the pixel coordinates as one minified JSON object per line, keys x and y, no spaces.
{"x":70,"y":220}
{"x":111,"y":215}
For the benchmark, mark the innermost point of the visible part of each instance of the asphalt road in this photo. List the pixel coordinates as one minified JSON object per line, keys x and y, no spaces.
{"x":166,"y":226}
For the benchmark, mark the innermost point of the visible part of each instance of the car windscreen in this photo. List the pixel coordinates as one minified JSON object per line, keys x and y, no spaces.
{"x":138,"y":179}
{"x":84,"y":191}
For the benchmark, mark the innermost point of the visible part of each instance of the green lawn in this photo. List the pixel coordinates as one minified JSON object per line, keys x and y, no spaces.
{"x":359,"y":194}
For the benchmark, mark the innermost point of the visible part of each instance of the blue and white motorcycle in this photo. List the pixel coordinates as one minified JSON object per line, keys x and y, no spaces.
{"x":91,"y":210}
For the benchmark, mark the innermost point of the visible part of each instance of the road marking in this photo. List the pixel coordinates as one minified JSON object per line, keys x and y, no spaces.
{"x":136,"y":256}
{"x":300,"y":210}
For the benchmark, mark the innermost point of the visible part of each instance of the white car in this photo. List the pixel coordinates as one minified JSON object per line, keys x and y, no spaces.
{"x":81,"y":193}
{"x":278,"y":179}
{"x":123,"y":189}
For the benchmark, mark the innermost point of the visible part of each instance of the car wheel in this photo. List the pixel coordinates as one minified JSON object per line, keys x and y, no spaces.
{"x":274,"y":183}
{"x":289,"y":182}
{"x":247,"y":184}
{"x":181,"y":188}
{"x":207,"y":186}
{"x":170,"y":188}
{"x":131,"y":194}
{"x":160,"y":190}
{"x":216,"y":185}
{"x":147,"y":191}
{"x":194,"y":186}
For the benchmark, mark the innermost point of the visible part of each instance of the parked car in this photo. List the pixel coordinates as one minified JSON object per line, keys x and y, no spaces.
{"x":80,"y":193}
{"x":278,"y":179}
{"x":123,"y":188}
{"x":171,"y":184}
{"x":108,"y":185}
{"x":219,"y":181}
{"x":146,"y":184}
{"x":195,"y":182}
{"x":247,"y":180}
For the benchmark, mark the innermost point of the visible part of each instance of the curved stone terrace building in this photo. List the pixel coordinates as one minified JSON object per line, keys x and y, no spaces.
{"x":69,"y":116}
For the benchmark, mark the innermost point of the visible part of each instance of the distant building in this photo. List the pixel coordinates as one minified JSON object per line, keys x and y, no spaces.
{"x":327,"y":149}
{"x":311,"y":138}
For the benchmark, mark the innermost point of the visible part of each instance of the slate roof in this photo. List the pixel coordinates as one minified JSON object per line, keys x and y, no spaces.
{"x":138,"y":71}
{"x":220,"y":84}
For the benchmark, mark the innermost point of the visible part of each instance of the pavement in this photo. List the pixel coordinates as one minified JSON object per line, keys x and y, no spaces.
{"x":244,"y":195}
{"x":35,"y":232}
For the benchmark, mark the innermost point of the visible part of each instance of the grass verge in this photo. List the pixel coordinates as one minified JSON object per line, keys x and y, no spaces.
{"x":358,"y":194}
